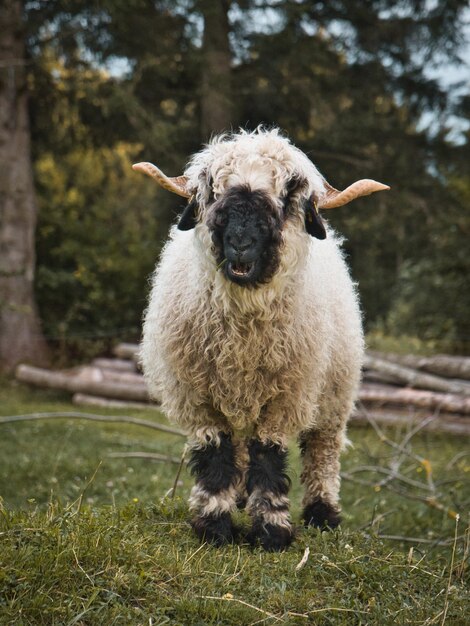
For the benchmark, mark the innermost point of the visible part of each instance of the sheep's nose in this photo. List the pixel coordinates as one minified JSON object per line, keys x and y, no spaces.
{"x":239,"y":246}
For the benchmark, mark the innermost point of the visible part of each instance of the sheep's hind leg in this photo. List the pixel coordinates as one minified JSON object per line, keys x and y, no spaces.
{"x":267,"y":487}
{"x":320,"y":477}
{"x":214,"y":495}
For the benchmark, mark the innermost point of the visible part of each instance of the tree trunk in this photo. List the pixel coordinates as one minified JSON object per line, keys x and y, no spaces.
{"x":216,"y":93}
{"x":21,"y":338}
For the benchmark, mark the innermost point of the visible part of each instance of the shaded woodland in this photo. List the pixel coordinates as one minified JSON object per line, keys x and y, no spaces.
{"x":86,"y":89}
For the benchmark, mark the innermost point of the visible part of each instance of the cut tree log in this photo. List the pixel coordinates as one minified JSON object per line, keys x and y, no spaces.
{"x":99,"y":374}
{"x":121,"y":365}
{"x":440,"y":364}
{"x":84,"y":399}
{"x":127,"y":351}
{"x":73,"y":383}
{"x":416,"y":379}
{"x":377,"y":377}
{"x":386,"y":394}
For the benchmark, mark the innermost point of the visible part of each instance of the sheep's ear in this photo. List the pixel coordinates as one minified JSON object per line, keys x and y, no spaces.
{"x":313,"y":222}
{"x":188,"y":217}
{"x":334,"y":198}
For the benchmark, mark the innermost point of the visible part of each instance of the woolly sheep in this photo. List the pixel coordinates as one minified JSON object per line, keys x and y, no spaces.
{"x":253,"y":334}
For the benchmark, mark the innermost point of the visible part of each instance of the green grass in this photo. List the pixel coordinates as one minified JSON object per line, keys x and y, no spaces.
{"x":90,"y":539}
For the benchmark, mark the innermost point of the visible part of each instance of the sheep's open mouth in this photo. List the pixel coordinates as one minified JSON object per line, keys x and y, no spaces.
{"x":240,"y":271}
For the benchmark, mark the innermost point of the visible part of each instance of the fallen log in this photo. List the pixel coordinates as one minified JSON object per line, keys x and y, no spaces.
{"x":414,"y":378}
{"x":440,"y":364}
{"x":98,"y":374}
{"x":121,"y":365}
{"x":73,"y":383}
{"x":377,"y":377}
{"x":444,"y":423}
{"x":386,"y":394}
{"x":127,"y":351}
{"x":83,"y":399}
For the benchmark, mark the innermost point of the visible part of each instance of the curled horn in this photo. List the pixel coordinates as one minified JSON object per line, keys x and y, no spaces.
{"x":178,"y":184}
{"x":334,"y":198}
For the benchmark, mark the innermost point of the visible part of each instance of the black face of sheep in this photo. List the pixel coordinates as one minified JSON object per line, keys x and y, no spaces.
{"x":246,"y":234}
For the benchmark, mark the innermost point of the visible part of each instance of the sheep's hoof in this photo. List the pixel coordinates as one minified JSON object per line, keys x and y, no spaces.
{"x":270,"y":537}
{"x":321,"y":515}
{"x":215,"y":529}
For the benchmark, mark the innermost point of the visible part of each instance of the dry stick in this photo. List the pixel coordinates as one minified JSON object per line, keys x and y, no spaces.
{"x":122,"y":419}
{"x":434,"y":542}
{"x":391,"y":475}
{"x":393,"y":444}
{"x":452,"y":424}
{"x":154,"y":456}
{"x":228,"y":598}
{"x":178,"y":473}
{"x":457,"y":457}
{"x":398,"y":460}
{"x":466,"y":551}
{"x":446,"y":601}
{"x":80,"y":497}
{"x":430,"y":501}
{"x":402,"y":450}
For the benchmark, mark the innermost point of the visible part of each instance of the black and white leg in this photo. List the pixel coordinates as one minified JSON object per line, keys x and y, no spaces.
{"x":214,"y":496}
{"x":321,"y":479}
{"x":268,"y":504}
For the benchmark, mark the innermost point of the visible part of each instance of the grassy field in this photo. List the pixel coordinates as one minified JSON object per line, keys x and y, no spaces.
{"x":87,"y":538}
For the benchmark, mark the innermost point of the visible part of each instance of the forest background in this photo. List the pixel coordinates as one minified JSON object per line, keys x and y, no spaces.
{"x":365,"y":88}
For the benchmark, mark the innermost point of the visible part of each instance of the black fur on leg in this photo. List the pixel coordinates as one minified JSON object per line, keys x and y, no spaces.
{"x":214,"y":465}
{"x":272,"y":538}
{"x":321,"y":515}
{"x":267,"y":469}
{"x":215,"y":529}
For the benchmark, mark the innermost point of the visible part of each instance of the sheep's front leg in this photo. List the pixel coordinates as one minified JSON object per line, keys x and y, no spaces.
{"x":320,"y":476}
{"x":214,"y":495}
{"x":267,"y":486}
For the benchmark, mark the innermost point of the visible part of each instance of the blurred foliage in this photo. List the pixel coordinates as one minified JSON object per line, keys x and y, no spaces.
{"x":348,"y":81}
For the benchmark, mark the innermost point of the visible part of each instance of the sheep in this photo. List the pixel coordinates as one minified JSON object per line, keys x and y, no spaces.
{"x":253,"y":334}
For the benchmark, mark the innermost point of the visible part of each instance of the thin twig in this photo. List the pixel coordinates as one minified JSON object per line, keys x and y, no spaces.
{"x":446,"y":600}
{"x":153,"y":456}
{"x":229,"y":598}
{"x":178,"y":473}
{"x":392,"y":474}
{"x":122,"y":419}
{"x":80,"y":497}
{"x":436,"y":542}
